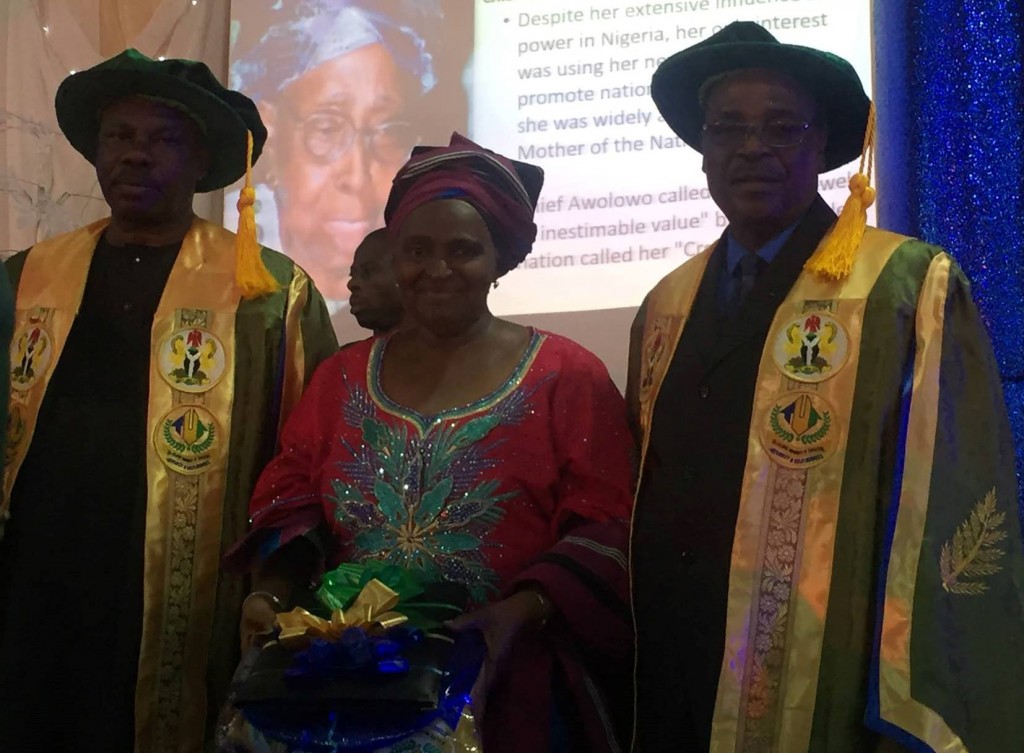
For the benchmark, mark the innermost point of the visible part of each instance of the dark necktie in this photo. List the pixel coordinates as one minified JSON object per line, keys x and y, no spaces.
{"x":745,"y":274}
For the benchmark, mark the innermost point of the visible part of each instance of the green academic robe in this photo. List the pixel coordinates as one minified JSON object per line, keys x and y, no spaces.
{"x":223,"y":374}
{"x":875,"y":578}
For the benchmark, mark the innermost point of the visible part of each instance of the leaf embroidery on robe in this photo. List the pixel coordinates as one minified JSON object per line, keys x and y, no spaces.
{"x":418,"y":500}
{"x":973,"y":555}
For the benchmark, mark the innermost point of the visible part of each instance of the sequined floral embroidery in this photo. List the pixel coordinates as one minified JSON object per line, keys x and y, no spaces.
{"x":417,"y":498}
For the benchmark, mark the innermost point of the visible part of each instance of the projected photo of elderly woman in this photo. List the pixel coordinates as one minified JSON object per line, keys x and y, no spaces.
{"x":346,"y":88}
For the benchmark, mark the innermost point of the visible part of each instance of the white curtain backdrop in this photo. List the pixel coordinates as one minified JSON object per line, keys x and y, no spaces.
{"x":46,"y":187}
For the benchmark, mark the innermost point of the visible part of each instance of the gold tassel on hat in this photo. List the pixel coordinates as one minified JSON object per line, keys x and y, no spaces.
{"x":835,"y":254}
{"x":251,"y":275}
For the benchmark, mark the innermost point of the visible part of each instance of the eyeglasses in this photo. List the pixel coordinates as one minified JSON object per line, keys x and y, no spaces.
{"x":327,"y":136}
{"x":774,"y":133}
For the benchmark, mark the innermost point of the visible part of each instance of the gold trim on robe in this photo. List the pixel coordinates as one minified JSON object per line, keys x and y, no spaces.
{"x":295,"y":345}
{"x":896,"y":705}
{"x":49,"y":293}
{"x":669,"y":308}
{"x":183,"y":519}
{"x":782,"y":555}
{"x":189,"y":431}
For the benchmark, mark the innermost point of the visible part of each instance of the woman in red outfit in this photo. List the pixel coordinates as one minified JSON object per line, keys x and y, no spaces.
{"x":471,"y":450}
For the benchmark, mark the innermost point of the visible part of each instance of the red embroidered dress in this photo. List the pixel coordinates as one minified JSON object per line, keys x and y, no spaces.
{"x":471,"y":495}
{"x":529,"y":484}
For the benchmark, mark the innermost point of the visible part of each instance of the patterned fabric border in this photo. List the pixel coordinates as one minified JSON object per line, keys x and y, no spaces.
{"x":186,"y":493}
{"x":771,"y":611}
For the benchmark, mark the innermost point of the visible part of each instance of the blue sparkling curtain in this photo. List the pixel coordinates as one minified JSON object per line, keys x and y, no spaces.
{"x":950,"y":93}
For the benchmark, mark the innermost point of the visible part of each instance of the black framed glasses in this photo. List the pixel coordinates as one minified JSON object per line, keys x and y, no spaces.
{"x":327,"y":136}
{"x":774,"y":133}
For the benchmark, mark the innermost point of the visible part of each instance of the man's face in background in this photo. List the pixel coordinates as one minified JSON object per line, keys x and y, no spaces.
{"x":375,"y":302}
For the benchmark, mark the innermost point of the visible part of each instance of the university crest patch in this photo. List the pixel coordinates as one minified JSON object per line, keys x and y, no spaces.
{"x":800,"y":430}
{"x":192,"y":360}
{"x":187,"y":439}
{"x":656,"y":343}
{"x":811,"y":348}
{"x":31,"y":352}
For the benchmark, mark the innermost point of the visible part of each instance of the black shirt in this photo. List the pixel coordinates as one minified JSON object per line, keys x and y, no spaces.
{"x":71,"y":564}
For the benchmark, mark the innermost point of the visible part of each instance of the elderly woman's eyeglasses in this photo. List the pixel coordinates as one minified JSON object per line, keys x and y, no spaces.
{"x":328,"y":136}
{"x":774,"y":133}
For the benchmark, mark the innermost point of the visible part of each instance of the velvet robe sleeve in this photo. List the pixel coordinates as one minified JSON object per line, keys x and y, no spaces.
{"x":309,"y":340}
{"x":286,"y":502}
{"x":949,"y":645}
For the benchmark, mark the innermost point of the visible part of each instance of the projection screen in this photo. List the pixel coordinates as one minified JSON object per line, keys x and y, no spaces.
{"x":561,"y":84}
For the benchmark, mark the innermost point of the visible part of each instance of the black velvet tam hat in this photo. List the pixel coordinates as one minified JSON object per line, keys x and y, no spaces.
{"x":831,"y":81}
{"x":225,"y":116}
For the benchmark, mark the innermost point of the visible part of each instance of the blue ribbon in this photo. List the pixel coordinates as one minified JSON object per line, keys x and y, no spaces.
{"x":355,"y":652}
{"x":339,"y":730}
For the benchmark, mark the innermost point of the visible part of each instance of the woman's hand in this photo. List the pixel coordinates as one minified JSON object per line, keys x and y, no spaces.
{"x":501,"y":623}
{"x":273,"y":583}
{"x":259,"y":613}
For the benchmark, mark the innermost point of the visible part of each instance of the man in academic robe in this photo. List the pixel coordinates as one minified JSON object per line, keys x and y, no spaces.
{"x":826,"y":551}
{"x":127,"y":474}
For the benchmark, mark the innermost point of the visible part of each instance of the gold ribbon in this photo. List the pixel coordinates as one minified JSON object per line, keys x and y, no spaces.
{"x":371,"y":610}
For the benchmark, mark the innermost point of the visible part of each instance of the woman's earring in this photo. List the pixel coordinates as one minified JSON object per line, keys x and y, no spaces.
{"x":495,"y":284}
